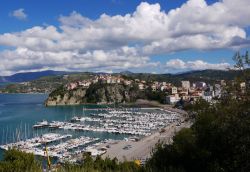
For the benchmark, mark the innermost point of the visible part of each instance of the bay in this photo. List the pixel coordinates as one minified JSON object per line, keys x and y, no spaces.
{"x":18,"y":112}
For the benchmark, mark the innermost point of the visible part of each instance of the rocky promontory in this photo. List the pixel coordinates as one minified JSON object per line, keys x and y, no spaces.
{"x":97,"y":93}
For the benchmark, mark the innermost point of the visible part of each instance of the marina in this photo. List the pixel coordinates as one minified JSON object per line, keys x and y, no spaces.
{"x":119,"y":122}
{"x":31,"y":145}
{"x":66,"y":135}
{"x":57,"y":146}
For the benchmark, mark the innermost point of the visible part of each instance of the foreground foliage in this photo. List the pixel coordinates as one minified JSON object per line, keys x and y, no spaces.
{"x":16,"y":161}
{"x":101,"y":165}
{"x":219,"y":140}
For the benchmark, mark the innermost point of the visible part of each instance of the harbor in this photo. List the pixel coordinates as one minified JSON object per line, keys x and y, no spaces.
{"x":118,"y":122}
{"x":57,"y":146}
{"x":108,"y":132}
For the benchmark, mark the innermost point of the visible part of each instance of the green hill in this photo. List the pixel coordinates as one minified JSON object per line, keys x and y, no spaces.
{"x":49,"y":83}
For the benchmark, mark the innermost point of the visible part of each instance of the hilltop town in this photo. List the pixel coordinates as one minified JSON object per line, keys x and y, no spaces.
{"x":109,"y":89}
{"x":103,"y":88}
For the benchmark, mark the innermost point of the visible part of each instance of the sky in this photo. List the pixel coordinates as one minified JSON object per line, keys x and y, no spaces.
{"x":164,"y":36}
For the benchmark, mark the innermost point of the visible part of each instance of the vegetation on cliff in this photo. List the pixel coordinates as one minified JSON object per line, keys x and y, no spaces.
{"x":103,"y":93}
{"x":96,"y":93}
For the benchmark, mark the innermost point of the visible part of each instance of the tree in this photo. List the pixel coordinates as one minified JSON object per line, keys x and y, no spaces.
{"x":16,"y":161}
{"x":241,"y":61}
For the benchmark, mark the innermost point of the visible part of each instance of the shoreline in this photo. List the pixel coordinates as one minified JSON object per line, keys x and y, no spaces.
{"x":140,"y":103}
{"x":142,"y":149}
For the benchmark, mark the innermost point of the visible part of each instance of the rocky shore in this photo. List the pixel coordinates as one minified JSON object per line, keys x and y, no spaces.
{"x":96,"y":94}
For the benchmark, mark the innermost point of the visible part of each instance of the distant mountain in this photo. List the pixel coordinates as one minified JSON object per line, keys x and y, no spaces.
{"x":126,"y":72}
{"x":204,"y":75}
{"x":209,"y":74}
{"x":3,"y":79}
{"x":48,"y":81}
{"x":29,"y":76}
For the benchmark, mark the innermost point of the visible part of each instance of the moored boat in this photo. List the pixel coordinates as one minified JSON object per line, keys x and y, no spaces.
{"x":41,"y":124}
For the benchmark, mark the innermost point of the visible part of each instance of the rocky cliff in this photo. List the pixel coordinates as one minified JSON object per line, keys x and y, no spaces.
{"x":96,"y":93}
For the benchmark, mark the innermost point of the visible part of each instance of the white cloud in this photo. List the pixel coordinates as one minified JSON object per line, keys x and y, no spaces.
{"x":19,"y":14}
{"x":178,"y":64}
{"x":125,"y":42}
{"x":23,"y":59}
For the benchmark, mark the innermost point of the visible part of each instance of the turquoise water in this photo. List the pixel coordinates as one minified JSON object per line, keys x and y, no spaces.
{"x":18,"y":112}
{"x":3,"y":84}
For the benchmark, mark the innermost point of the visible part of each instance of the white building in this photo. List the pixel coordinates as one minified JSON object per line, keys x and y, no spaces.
{"x":109,"y":80}
{"x":172,"y":99}
{"x":153,"y":87}
{"x":141,"y":86}
{"x":95,"y":80}
{"x":113,"y":80}
{"x":163,"y":88}
{"x":199,"y":85}
{"x":207,"y":98}
{"x":185,"y":84}
{"x":127,"y":82}
{"x":84,"y":83}
{"x":174,"y":90}
{"x":208,"y":95}
{"x":71,"y":86}
{"x":217,"y":90}
{"x":223,"y":83}
{"x":242,"y":85}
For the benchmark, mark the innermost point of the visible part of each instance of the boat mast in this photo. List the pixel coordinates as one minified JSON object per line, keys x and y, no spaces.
{"x":24,"y":131}
{"x":47,"y":156}
{"x":3,"y":137}
{"x":7,"y":135}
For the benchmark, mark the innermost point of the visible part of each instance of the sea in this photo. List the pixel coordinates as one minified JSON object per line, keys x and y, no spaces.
{"x":19,"y":112}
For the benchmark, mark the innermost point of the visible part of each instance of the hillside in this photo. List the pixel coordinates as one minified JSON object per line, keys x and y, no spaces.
{"x":209,"y":76}
{"x":29,"y":76}
{"x":44,"y":84}
{"x":47,"y":84}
